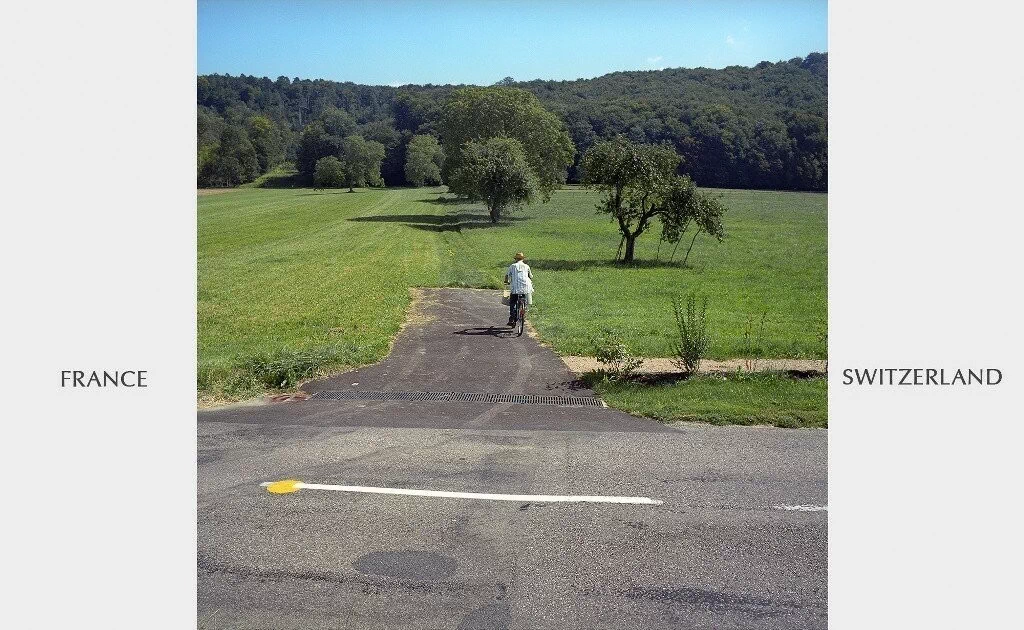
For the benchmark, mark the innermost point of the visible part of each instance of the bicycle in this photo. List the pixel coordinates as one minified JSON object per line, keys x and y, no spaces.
{"x":520,"y":315}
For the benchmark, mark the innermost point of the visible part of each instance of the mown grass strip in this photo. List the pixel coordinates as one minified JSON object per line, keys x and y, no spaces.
{"x":746,"y":399}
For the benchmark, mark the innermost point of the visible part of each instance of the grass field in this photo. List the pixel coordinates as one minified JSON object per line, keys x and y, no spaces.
{"x":321,"y":278}
{"x":737,"y":399}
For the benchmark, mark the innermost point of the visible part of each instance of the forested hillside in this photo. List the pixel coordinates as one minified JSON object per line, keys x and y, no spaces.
{"x":738,"y":127}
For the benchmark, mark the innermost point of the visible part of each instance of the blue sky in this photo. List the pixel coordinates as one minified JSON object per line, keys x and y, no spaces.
{"x":393,"y":42}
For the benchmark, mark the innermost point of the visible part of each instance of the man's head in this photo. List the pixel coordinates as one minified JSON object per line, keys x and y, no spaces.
{"x":519,"y":256}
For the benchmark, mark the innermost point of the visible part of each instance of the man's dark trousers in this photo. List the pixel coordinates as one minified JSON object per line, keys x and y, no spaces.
{"x":513,"y":303}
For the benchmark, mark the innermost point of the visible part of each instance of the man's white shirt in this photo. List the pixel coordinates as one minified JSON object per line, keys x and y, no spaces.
{"x":519,"y":278}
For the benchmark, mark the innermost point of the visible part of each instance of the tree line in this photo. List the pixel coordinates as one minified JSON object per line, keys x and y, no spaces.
{"x":738,"y":127}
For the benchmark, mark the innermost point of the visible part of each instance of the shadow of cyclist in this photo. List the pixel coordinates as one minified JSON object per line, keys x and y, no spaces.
{"x":494,"y":331}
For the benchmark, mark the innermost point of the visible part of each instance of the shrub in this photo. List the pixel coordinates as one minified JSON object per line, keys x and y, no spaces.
{"x":611,"y":351}
{"x":694,"y":339}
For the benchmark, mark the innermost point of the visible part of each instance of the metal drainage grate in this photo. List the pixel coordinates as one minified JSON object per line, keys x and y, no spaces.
{"x":519,"y":399}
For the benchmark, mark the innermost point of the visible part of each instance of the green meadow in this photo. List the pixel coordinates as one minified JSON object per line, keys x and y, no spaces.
{"x":758,"y":398}
{"x":322,"y":278}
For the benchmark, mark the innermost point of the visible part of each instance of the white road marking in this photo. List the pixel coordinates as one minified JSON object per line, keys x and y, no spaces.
{"x":801,"y":508}
{"x":535,"y":498}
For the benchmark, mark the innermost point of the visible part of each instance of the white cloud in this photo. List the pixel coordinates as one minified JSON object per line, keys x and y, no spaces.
{"x":730,"y":40}
{"x":653,"y":60}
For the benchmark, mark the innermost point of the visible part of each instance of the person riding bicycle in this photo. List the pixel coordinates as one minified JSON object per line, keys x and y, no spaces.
{"x":520,"y":281}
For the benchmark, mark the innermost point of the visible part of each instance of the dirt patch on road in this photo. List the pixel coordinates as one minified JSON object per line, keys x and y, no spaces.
{"x":582,"y":365}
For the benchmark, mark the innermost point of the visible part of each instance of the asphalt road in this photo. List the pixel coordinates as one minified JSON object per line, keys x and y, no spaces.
{"x":718,"y":553}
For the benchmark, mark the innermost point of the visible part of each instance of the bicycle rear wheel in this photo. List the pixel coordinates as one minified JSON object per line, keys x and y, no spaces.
{"x":521,"y":319}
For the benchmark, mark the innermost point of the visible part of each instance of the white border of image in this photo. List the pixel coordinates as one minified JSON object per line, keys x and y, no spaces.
{"x":924,"y":271}
{"x":99,"y":259}
{"x":100,"y":271}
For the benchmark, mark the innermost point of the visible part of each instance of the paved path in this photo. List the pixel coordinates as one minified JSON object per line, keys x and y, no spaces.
{"x":458,"y":342}
{"x":718,"y":553}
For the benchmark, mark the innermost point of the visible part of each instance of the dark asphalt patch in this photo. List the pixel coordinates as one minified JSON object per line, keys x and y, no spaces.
{"x":717,"y":602}
{"x":442,"y":415}
{"x":495,"y":616}
{"x":479,"y":397}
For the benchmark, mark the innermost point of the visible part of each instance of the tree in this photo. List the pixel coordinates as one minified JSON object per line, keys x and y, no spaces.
{"x":235,"y":143}
{"x":583,"y":136}
{"x":479,"y":113}
{"x":411,"y":111}
{"x":209,"y":126}
{"x":640,"y":183}
{"x":361,"y":160}
{"x":232,"y":162}
{"x":220,"y":171}
{"x":683,"y":207}
{"x":267,"y":141}
{"x":323,"y":137}
{"x":810,"y":137}
{"x":497,"y":172}
{"x":423,"y":160}
{"x":337,"y":122}
{"x":329,"y":173}
{"x":315,"y":143}
{"x":384,"y":132}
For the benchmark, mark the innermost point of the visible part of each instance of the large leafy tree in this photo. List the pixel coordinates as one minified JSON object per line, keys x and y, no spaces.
{"x":209,"y":127}
{"x":361,"y":160}
{"x":323,"y":137}
{"x":384,"y":132}
{"x":329,"y":173}
{"x":337,"y":122}
{"x":640,"y":183}
{"x":268,"y":142}
{"x":423,"y":160}
{"x":315,"y":143}
{"x":475,"y":114}
{"x":497,"y":172}
{"x":232,"y":162}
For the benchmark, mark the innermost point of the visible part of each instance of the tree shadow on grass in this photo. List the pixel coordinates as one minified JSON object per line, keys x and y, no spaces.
{"x":542,"y":264}
{"x":329,"y":191}
{"x":448,"y":201}
{"x":441,"y":222}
